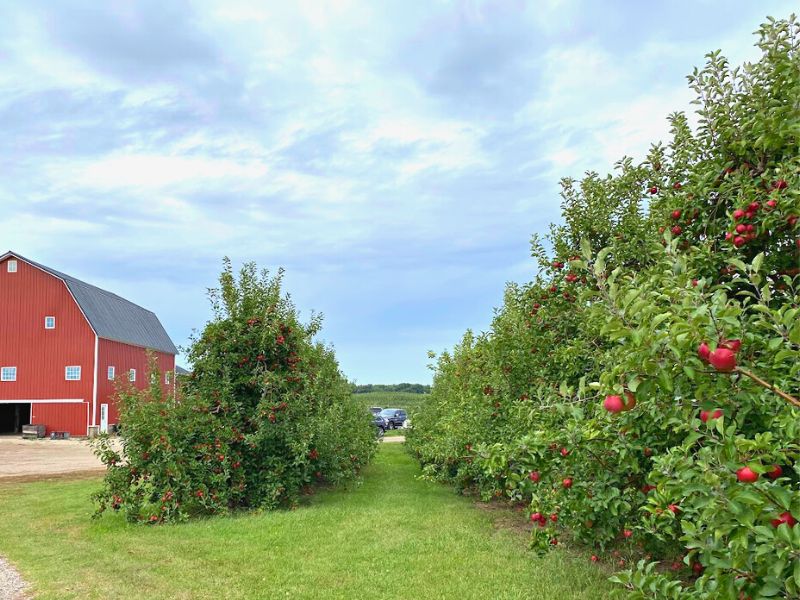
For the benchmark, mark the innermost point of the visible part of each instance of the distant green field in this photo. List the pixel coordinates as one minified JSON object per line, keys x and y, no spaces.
{"x":407,"y":401}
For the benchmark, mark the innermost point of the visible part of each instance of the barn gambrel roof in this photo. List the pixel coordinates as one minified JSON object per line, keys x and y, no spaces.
{"x":111,"y":316}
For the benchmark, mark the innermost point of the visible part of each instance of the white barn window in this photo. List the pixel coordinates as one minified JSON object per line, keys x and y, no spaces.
{"x":8,"y":374}
{"x":49,"y":322}
{"x":12,"y":266}
{"x":167,"y":377}
{"x":72,"y":373}
{"x":111,"y":373}
{"x":132,"y":375}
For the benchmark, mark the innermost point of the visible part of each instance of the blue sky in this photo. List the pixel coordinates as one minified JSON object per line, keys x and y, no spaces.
{"x":394,"y":157}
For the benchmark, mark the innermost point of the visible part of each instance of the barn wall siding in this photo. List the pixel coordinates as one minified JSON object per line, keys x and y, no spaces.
{"x":124,"y":357}
{"x":61,"y":416}
{"x":41,"y":355}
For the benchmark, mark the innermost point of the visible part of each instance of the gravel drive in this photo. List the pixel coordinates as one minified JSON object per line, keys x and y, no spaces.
{"x":11,"y":585}
{"x":29,"y":460}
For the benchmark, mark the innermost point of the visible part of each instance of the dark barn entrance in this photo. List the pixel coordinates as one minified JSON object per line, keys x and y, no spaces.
{"x":14,"y":416}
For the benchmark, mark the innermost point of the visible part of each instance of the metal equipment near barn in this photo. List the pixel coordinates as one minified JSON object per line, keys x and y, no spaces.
{"x":32,"y":432}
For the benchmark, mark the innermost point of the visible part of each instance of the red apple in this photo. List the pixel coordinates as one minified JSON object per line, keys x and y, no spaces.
{"x":772,"y":203}
{"x":631,"y":401}
{"x":564,"y":452}
{"x":676,"y":214}
{"x":746,"y":475}
{"x":703,"y":351}
{"x":723,"y":360}
{"x":595,"y":558}
{"x":673,"y":508}
{"x":775,"y":472}
{"x":676,"y":230}
{"x":754,"y":206}
{"x":741,"y":228}
{"x":739,"y":241}
{"x":536,"y":517}
{"x":554,"y":517}
{"x":613,"y":404}
{"x":653,"y":190}
{"x":626,"y":533}
{"x":567,"y":483}
{"x":706,"y":415}
{"x":738,"y":214}
{"x":784,"y":517}
{"x":534,"y":476}
{"x":780,"y":184}
{"x":677,"y":185}
{"x":732,"y":345}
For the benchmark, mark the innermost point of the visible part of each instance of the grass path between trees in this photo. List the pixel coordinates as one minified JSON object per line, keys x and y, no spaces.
{"x":390,"y":536}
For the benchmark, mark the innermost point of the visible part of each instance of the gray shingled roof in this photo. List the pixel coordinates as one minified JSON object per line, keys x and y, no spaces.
{"x":112,"y":317}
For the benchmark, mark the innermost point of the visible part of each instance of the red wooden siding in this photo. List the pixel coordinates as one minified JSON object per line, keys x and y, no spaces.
{"x":123,"y":358}
{"x":61,"y":416}
{"x":40,"y":354}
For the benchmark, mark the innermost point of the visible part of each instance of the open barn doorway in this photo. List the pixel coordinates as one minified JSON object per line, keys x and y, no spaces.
{"x":13,"y":415}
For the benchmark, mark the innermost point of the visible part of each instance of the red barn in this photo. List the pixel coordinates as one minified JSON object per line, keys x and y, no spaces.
{"x":63,"y":343}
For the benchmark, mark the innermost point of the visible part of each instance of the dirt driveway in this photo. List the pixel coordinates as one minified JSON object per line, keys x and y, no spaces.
{"x":29,"y":460}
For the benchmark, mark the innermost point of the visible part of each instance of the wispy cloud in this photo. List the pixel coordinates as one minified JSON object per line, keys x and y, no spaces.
{"x":394,"y":156}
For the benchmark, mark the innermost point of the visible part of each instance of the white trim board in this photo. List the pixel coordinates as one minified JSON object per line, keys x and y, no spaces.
{"x":59,"y":401}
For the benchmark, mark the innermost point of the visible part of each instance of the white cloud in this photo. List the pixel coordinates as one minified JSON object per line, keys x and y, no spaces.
{"x":152,"y":171}
{"x":309,"y":137}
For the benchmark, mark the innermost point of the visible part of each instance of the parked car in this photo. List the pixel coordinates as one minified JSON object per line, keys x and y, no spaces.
{"x":394,"y":417}
{"x":380,"y":425}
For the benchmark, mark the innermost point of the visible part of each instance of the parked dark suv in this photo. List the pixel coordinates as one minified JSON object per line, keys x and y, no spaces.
{"x":380,"y":425}
{"x":394,"y":417}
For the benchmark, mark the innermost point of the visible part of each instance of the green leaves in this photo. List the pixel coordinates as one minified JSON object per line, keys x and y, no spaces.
{"x":649,"y":280}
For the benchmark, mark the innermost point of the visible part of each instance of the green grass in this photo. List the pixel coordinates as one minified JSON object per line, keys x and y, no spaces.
{"x":392,"y":536}
{"x":394,"y":432}
{"x":405,"y":400}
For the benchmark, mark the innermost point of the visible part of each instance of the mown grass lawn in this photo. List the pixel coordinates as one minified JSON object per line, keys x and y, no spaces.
{"x":392,"y":536}
{"x":395,"y":432}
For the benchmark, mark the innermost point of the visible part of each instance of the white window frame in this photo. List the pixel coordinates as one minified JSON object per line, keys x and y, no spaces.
{"x":8,"y":373}
{"x":132,"y":375}
{"x":67,"y":373}
{"x":12,"y":266}
{"x":111,"y":373}
{"x":167,"y":378}
{"x":48,"y":320}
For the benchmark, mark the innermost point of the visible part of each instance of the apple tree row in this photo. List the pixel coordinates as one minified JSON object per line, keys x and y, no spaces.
{"x":639,"y":397}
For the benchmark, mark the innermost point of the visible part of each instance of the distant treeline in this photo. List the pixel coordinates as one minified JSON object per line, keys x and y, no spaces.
{"x":412,"y":388}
